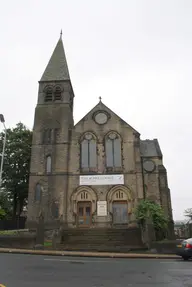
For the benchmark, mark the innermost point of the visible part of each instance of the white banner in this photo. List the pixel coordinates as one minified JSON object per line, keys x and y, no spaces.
{"x":101,"y":208}
{"x":113,"y":179}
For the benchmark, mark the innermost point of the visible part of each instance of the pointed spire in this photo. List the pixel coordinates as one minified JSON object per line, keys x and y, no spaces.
{"x":57,"y":69}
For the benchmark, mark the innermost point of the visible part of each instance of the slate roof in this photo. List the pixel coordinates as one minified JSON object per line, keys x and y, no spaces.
{"x":150,"y":148}
{"x":57,"y":69}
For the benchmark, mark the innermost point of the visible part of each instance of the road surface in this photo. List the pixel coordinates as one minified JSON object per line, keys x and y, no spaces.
{"x":46,"y":271}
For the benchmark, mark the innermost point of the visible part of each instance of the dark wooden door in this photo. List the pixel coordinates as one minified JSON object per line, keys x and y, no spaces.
{"x":120,"y":213}
{"x":84,"y":214}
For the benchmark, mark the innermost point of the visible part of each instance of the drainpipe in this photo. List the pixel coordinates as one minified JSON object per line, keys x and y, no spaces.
{"x":143,"y":178}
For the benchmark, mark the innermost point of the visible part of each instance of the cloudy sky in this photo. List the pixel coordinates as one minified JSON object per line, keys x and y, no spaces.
{"x":136,"y":55}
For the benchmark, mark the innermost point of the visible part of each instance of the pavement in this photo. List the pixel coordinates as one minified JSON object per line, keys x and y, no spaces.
{"x":25,"y":270}
{"x":89,"y":254}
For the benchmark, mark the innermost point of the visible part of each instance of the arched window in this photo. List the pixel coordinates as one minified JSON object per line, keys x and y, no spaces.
{"x":119,"y":194}
{"x":55,"y":210}
{"x":88,"y":151}
{"x":49,"y":95}
{"x":47,"y":136}
{"x":48,"y":164}
{"x":56,"y":135}
{"x":84,"y":195}
{"x":113,"y":150}
{"x":38,"y":192}
{"x":57,"y":94}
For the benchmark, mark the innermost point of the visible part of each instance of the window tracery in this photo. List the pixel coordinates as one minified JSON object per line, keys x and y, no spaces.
{"x":88,"y":151}
{"x":113,"y":150}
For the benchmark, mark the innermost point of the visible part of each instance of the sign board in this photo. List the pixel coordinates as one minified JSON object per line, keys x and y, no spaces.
{"x":101,"y":208}
{"x":112,"y":179}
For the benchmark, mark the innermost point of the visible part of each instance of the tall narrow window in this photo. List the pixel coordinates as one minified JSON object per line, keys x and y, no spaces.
{"x":55,"y":210}
{"x":49,"y":95}
{"x":113,"y":150}
{"x":56,"y":135}
{"x":57,"y":94}
{"x":38,"y":192}
{"x":88,"y":152}
{"x":48,"y":164}
{"x":47,"y":136}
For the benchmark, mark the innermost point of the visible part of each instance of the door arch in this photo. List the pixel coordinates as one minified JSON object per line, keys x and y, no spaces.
{"x":120,"y":201}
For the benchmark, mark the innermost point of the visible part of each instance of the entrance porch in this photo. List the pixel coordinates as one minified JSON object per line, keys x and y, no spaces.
{"x":115,"y":209}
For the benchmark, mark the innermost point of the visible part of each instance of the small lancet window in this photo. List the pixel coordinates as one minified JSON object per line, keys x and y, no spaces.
{"x":48,"y":164}
{"x":38,"y":192}
{"x":49,"y":95}
{"x":55,"y":210}
{"x":84,"y":195}
{"x":57,"y":94}
{"x":47,"y":136}
{"x":56,"y":135}
{"x":119,"y":195}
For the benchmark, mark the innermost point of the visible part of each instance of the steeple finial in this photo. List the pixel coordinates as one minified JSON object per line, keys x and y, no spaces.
{"x":61,"y":34}
{"x":100,"y":99}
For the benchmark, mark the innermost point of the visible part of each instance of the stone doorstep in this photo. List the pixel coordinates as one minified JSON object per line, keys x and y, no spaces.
{"x":89,"y":254}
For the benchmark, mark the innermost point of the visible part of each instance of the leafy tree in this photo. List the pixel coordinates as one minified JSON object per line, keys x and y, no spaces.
{"x":2,"y":213}
{"x":188,"y":213}
{"x":16,"y":166}
{"x":148,"y":209}
{"x":6,"y":203}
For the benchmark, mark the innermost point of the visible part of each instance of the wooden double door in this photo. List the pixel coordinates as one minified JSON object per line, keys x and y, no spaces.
{"x":84,"y":214}
{"x":120,"y":212}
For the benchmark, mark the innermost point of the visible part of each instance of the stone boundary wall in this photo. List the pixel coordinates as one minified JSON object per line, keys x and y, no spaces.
{"x":21,"y":241}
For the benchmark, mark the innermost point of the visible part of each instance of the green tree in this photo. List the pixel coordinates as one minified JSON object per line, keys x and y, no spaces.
{"x":188,"y":213}
{"x":6,"y":204}
{"x":2,"y":214}
{"x":148,"y":209}
{"x":16,"y":166}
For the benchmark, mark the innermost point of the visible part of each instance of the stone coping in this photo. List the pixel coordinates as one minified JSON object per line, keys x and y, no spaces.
{"x":88,"y":254}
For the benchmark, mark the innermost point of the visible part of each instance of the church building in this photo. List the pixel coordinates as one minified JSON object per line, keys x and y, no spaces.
{"x":91,"y":174}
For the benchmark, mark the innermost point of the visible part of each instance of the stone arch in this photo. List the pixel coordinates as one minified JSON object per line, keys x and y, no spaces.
{"x":112,"y":132}
{"x":58,"y":86}
{"x":120,"y":193}
{"x":127,"y":193}
{"x":83,"y":135}
{"x":83,"y":193}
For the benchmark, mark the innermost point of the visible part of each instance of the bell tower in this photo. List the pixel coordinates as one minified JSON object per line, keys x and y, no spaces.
{"x":53,"y":123}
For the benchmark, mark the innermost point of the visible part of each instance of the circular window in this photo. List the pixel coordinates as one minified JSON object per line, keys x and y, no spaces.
{"x":101,"y":118}
{"x":149,"y":165}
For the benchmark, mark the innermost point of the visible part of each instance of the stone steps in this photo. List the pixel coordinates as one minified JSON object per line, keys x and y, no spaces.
{"x":101,"y":248}
{"x":112,"y":240}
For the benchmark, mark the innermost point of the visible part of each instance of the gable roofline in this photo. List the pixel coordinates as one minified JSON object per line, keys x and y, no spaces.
{"x":102,"y":105}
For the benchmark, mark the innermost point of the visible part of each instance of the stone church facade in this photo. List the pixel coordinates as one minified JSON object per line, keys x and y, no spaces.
{"x":93,"y":173}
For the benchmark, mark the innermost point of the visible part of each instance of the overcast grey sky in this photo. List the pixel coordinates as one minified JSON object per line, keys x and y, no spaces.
{"x":136,"y":55}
